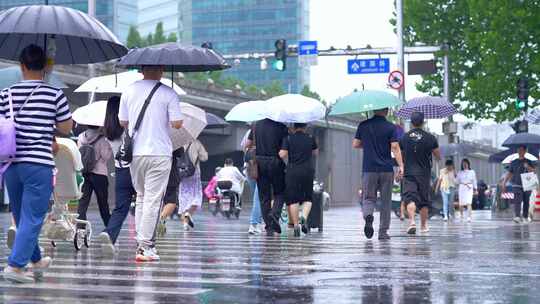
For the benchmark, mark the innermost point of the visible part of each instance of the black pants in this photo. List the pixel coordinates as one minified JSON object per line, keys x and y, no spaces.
{"x":100,"y":185}
{"x":271,"y":182}
{"x":521,"y":196}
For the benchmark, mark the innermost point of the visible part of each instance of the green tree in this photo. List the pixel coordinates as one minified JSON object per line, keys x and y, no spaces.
{"x":159,"y":36}
{"x":134,"y":38}
{"x":306,"y":91}
{"x":172,"y":37}
{"x":275,"y":88}
{"x":492,"y":44}
{"x":149,"y":40}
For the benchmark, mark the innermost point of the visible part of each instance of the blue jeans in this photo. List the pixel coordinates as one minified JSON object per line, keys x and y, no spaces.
{"x":447,"y":198}
{"x":256,"y":216}
{"x":29,"y":187}
{"x":124,"y":194}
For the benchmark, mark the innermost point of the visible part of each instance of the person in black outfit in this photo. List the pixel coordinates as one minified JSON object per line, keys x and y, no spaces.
{"x":267,"y":135}
{"x":517,"y":167}
{"x":299,"y":148}
{"x":417,"y":147}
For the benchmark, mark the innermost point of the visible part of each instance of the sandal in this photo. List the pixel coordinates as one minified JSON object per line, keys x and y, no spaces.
{"x":412,"y":229}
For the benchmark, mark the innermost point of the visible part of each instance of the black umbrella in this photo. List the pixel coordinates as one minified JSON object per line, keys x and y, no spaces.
{"x":498,"y":157}
{"x":215,"y":122}
{"x":456,"y":149}
{"x":176,"y":58}
{"x":79,"y":38}
{"x":522,"y":139}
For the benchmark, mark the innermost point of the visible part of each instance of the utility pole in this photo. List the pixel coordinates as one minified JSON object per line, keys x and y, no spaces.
{"x":91,"y":68}
{"x":399,"y":49}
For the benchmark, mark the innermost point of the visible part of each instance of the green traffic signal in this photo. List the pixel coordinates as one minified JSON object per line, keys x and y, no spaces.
{"x":278,"y":65}
{"x":519,"y":104}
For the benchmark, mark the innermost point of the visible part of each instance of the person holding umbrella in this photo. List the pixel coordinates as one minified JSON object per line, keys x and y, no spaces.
{"x":418,"y":147}
{"x":517,"y":167}
{"x":29,"y":177}
{"x":157,"y":107}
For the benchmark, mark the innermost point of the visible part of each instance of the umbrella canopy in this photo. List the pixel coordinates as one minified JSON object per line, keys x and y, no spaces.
{"x":501,"y":155}
{"x":175,"y":57}
{"x":194,"y":122}
{"x":12,"y":75}
{"x":510,"y":158}
{"x":290,"y":108}
{"x":456,"y":149}
{"x":116,"y":83}
{"x":432,"y":107}
{"x":522,"y":139}
{"x":247,"y":111}
{"x":92,"y":114}
{"x":364,"y":101}
{"x":215,"y":122}
{"x":79,"y":38}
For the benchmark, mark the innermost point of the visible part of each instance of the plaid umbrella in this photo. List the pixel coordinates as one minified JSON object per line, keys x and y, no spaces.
{"x":433,"y":107}
{"x":533,"y":117}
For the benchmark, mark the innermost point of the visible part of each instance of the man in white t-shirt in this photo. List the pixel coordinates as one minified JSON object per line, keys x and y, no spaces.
{"x":152,"y":151}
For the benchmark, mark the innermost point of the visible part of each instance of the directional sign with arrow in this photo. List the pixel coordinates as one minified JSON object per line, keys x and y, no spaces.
{"x":368,"y":66}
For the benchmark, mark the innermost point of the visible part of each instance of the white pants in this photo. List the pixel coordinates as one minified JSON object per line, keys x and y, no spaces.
{"x":150,"y":175}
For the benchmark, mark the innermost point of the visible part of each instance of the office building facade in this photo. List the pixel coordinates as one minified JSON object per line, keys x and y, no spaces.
{"x":246,"y":26}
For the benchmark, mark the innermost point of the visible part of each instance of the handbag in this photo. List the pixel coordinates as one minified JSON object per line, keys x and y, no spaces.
{"x":251,"y":155}
{"x":529,"y":181}
{"x":125,"y":154}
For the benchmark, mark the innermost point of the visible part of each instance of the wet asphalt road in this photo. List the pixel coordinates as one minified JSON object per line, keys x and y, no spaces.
{"x":486,"y":261}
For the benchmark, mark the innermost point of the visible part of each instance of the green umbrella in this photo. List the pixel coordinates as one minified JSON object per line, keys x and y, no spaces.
{"x":364,"y":101}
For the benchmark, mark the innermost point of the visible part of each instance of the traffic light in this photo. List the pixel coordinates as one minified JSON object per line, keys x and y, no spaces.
{"x":522,"y":93}
{"x":280,"y":54}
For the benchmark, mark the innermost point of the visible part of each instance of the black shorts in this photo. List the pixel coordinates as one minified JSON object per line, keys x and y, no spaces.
{"x":417,"y":189}
{"x":299,"y":184}
{"x":171,"y":195}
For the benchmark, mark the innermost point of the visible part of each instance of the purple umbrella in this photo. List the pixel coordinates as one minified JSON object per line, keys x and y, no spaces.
{"x":432,"y":107}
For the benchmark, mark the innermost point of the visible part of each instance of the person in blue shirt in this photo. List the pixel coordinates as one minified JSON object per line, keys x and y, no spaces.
{"x":378,"y":139}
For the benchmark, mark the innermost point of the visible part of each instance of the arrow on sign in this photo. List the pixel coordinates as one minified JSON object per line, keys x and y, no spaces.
{"x":355,"y":67}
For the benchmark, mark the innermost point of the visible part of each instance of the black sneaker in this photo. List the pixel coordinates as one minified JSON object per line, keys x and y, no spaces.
{"x":305,"y":229}
{"x":190,"y":221}
{"x":383,"y":236}
{"x":368,"y":229}
{"x":275,"y":224}
{"x":297,"y":231}
{"x":269,"y":231}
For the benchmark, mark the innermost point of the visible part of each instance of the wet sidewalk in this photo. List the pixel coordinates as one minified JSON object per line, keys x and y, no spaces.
{"x":486,"y":261}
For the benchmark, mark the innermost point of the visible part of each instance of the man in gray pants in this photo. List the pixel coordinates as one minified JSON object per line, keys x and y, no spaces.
{"x":378,"y":139}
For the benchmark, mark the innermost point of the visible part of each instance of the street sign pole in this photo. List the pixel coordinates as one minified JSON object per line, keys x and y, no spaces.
{"x":400,"y":57}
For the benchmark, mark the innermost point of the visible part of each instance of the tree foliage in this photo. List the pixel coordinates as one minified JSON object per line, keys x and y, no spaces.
{"x":134,"y":38}
{"x":492,"y":44}
{"x":158,"y":36}
{"x":306,"y":91}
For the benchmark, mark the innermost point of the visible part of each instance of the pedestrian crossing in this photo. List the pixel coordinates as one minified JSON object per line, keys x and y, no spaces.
{"x":220,"y":263}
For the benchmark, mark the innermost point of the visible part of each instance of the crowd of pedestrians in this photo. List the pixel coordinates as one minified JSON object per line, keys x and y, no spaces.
{"x":279,"y":167}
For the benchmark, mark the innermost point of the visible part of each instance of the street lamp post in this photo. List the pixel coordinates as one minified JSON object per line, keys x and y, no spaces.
{"x":399,"y":49}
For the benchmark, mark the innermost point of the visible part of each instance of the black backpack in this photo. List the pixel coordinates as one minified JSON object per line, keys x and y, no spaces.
{"x":186,"y":167}
{"x":88,"y":155}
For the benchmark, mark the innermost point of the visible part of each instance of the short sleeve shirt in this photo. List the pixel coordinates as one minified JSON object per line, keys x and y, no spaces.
{"x":36,"y":121}
{"x":517,"y":167}
{"x":269,"y":136}
{"x":417,"y":147}
{"x":300,"y":147}
{"x":152,"y":138}
{"x":377,"y":134}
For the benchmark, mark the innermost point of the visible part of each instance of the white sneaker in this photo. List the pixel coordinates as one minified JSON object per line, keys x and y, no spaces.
{"x":259,"y":228}
{"x":252,"y":230}
{"x":17,"y":277}
{"x":517,"y":220}
{"x":106,"y":244}
{"x":12,"y":232}
{"x":445,"y":219}
{"x":40,"y":267}
{"x":469,"y":219}
{"x":145,"y":254}
{"x":186,"y":227}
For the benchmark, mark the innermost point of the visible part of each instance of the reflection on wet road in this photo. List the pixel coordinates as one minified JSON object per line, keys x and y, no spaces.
{"x":486,"y":261}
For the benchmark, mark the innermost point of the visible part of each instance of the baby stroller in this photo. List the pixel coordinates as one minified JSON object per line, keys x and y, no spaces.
{"x":60,"y":224}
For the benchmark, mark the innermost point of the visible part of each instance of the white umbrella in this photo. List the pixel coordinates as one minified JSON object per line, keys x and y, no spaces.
{"x":194,"y":121}
{"x":247,"y":111}
{"x":510,"y":158}
{"x":92,"y":114}
{"x":294,"y":108}
{"x":116,"y":83}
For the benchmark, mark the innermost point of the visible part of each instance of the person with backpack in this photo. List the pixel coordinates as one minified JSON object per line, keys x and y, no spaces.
{"x":170,"y":201}
{"x":190,"y":197}
{"x":95,"y":153}
{"x":148,"y":110}
{"x":26,"y":158}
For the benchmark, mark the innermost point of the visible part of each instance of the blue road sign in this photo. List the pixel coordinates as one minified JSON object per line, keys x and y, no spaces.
{"x":368,"y":66}
{"x":307,"y":47}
